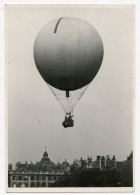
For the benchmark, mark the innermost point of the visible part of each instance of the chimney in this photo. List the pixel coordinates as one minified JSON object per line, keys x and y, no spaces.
{"x":100,"y":164}
{"x":98,"y":157}
{"x":105,"y":161}
{"x":113,"y":157}
{"x":107,"y":157}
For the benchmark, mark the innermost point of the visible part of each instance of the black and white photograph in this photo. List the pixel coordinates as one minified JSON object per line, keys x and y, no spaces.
{"x":70,"y":98}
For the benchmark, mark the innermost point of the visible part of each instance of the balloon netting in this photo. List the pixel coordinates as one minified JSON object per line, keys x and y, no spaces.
{"x":68,"y":103}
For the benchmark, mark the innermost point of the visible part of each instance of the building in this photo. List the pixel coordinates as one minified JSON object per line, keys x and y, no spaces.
{"x":10,"y":167}
{"x":127,"y":172}
{"x":40,"y":174}
{"x":101,"y":163}
{"x":45,"y":172}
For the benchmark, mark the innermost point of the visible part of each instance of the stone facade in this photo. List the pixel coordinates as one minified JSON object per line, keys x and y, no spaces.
{"x":33,"y":179}
{"x":40,"y":174}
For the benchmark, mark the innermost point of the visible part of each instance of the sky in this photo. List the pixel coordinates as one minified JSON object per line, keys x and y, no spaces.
{"x":103,"y":118}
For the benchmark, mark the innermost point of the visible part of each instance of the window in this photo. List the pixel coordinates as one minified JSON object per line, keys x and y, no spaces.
{"x":25,"y":178}
{"x":37,"y":178}
{"x":43,"y":178}
{"x":43,"y":184}
{"x":19,"y":178}
{"x":14,"y":185}
{"x":14,"y":177}
{"x":32,"y":178}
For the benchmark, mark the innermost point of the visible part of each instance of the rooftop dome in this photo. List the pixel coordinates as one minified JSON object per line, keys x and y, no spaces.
{"x":45,"y":154}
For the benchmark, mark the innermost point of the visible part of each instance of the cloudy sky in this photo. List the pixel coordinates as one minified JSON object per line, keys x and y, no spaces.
{"x":103,"y":117}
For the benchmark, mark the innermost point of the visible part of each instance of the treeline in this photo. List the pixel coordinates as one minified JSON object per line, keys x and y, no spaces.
{"x":90,"y":178}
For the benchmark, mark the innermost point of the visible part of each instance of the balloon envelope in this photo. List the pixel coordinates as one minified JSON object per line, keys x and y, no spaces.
{"x":68,"y":53}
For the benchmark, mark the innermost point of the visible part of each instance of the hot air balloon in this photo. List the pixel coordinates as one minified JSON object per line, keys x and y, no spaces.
{"x":68,"y":53}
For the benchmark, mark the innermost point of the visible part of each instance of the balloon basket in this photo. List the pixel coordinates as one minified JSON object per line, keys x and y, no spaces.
{"x":68,"y":122}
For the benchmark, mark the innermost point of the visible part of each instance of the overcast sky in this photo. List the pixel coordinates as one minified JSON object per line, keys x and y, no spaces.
{"x":103,"y":117}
